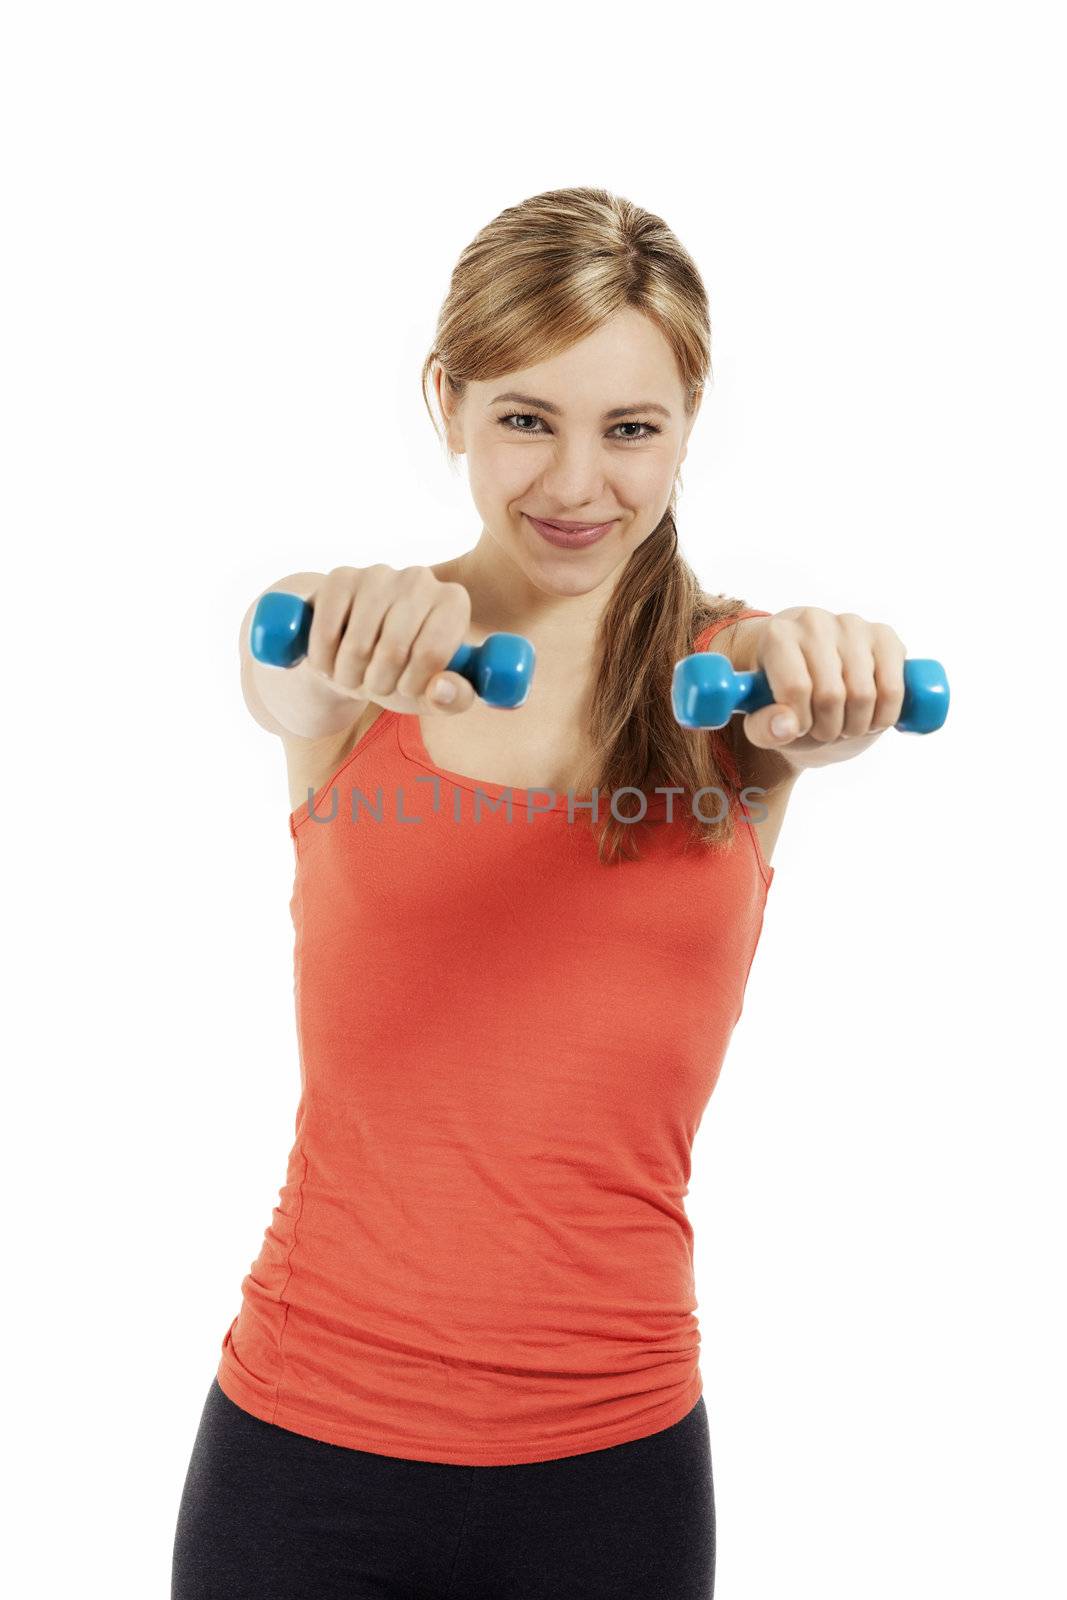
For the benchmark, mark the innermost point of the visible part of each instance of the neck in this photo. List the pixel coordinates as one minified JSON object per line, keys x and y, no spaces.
{"x":505,"y":599}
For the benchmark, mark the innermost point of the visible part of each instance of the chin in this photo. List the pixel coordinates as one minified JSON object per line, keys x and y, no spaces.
{"x":568,"y":577}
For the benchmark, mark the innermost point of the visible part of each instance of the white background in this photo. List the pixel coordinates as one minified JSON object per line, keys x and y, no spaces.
{"x":228,"y":230}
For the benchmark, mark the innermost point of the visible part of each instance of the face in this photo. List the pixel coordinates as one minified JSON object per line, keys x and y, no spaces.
{"x":597,"y":437}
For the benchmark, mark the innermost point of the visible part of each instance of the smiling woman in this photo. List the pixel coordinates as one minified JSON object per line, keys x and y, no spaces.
{"x":510,"y":1020}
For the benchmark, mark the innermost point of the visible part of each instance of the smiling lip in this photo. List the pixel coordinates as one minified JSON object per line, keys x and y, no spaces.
{"x":570,"y":535}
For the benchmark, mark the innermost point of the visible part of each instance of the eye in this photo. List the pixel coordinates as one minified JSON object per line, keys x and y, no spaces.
{"x":528,"y":416}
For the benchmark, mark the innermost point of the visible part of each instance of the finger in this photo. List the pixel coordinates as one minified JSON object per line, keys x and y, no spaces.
{"x":400,"y":628}
{"x":786,"y":669}
{"x":436,"y":644}
{"x":331,"y":604}
{"x":829,"y":693}
{"x":367,"y":612}
{"x":463,"y":695}
{"x":857,"y":652}
{"x":890,"y":653}
{"x":857,"y":666}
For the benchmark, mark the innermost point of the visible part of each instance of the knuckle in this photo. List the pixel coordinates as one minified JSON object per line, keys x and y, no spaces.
{"x":354,"y":646}
{"x":887,"y":634}
{"x":889,"y":689}
{"x":791,"y":689}
{"x":390,"y":651}
{"x":424,"y":661}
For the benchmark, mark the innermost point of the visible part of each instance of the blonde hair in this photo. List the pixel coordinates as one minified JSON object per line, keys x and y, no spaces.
{"x":535,"y":280}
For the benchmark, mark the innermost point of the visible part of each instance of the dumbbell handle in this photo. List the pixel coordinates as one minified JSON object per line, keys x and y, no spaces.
{"x":500,"y":668}
{"x":707,"y":692}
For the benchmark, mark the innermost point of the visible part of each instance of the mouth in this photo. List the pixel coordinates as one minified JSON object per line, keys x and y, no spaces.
{"x":570,"y":535}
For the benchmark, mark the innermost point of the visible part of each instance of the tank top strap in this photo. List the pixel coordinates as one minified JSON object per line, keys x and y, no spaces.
{"x":704,"y":638}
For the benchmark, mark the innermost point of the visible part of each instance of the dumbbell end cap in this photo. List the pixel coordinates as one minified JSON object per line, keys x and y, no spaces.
{"x":279,"y":633}
{"x":703,"y":690}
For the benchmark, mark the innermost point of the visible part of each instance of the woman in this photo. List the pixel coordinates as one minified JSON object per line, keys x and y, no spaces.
{"x":466,"y":1358}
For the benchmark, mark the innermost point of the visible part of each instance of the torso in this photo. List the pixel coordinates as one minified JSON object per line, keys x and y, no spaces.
{"x":514,"y":750}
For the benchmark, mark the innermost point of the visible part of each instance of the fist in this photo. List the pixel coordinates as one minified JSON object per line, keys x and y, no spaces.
{"x":385,"y":634}
{"x":837,"y":681}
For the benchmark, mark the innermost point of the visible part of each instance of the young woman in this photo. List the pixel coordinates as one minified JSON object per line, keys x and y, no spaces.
{"x":466,"y":1358}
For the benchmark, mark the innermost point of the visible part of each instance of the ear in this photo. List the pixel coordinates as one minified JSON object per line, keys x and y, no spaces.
{"x":441,"y":388}
{"x":446,"y":400}
{"x":690,"y":424}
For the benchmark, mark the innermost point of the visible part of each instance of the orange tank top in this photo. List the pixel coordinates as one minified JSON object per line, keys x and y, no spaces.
{"x":481,"y":1253}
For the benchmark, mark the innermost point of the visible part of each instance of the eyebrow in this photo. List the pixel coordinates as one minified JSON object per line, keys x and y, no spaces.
{"x":546,"y":405}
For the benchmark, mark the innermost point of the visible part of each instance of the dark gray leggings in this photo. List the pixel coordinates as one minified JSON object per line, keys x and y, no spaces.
{"x":271,"y":1514}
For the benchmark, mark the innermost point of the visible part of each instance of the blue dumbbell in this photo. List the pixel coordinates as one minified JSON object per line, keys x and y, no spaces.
{"x":501,"y":669}
{"x":706,"y":692}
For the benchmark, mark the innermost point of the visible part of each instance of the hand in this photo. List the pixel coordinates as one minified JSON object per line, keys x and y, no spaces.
{"x":384,"y":634}
{"x":840,"y":677}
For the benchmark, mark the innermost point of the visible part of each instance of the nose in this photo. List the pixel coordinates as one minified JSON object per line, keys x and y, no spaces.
{"x":575,"y":477}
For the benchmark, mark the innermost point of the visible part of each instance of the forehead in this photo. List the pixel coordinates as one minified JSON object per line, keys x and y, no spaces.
{"x":625,"y":360}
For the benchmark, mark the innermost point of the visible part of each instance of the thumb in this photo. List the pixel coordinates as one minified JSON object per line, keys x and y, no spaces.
{"x":462,"y":697}
{"x":766,"y":732}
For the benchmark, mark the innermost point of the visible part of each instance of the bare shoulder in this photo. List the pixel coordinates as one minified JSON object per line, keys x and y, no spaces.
{"x":312,"y":762}
{"x":738,"y":642}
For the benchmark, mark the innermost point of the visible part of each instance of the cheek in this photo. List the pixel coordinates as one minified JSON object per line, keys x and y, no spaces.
{"x":647,"y":481}
{"x":501,"y":474}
